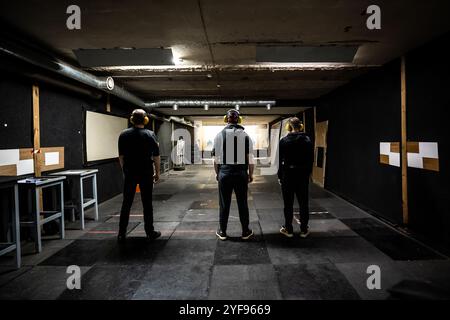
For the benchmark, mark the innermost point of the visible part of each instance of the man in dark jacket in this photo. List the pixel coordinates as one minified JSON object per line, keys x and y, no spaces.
{"x":138,"y":153}
{"x":296,"y":157}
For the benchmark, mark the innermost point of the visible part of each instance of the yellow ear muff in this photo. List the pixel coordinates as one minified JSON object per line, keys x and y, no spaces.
{"x":225,"y":119}
{"x":288,"y":126}
{"x":146,"y":120}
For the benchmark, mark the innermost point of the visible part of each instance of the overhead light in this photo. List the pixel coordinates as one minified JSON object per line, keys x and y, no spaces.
{"x":206,"y":107}
{"x":175,"y":107}
{"x":177,"y":61}
{"x":237,"y":107}
{"x":268,"y":106}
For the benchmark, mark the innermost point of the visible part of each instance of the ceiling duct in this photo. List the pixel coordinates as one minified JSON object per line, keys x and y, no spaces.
{"x":210,"y":103}
{"x":47,"y":62}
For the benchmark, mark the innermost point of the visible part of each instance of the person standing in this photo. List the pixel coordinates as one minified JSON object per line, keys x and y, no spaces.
{"x":296,"y":157}
{"x":138,"y":154}
{"x":233,"y":165}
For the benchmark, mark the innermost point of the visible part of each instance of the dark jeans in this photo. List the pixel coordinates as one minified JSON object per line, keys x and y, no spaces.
{"x":129,"y":189}
{"x":237,"y":181}
{"x":295,"y":183}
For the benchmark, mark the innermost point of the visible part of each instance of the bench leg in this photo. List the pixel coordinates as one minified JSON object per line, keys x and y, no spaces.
{"x":94,"y":188}
{"x":81,"y":205}
{"x":37,"y":225}
{"x":61,"y":225}
{"x":16,"y":227}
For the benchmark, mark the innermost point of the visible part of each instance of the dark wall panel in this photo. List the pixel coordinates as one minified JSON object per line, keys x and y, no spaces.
{"x":428,"y":103}
{"x":16,"y":113}
{"x":62,"y":118}
{"x":362,"y":114}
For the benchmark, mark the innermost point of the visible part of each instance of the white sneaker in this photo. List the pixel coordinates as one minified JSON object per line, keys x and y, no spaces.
{"x":285,"y":232}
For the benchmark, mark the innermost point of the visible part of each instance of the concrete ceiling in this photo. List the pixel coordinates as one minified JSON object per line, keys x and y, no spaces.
{"x":216,"y":41}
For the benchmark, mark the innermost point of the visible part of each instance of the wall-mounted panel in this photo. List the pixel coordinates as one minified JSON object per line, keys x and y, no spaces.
{"x":102,"y":134}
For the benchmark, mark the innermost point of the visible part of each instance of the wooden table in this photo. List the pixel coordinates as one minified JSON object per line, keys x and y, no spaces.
{"x":78,"y":176}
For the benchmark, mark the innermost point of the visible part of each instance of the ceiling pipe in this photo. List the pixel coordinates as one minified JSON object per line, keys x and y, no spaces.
{"x":60,"y":84}
{"x":210,"y":103}
{"x":55,"y":65}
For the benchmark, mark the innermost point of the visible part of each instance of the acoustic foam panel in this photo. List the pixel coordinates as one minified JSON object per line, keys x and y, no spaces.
{"x":299,"y":54}
{"x":124,"y":57}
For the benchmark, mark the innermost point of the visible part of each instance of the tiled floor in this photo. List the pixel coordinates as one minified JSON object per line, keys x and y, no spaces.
{"x":188,"y":262}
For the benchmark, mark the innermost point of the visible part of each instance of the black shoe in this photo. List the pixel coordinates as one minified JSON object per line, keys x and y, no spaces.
{"x":247,"y":234}
{"x":221,"y":234}
{"x":153,"y":235}
{"x":121,"y":238}
{"x":304,"y":234}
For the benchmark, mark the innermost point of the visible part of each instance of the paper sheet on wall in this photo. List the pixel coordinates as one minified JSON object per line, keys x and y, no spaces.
{"x":51,"y":158}
{"x":9,"y":156}
{"x":25,"y":167}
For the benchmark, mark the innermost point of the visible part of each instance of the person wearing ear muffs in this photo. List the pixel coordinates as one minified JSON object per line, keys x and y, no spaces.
{"x":233,"y":164}
{"x":138,"y":154}
{"x":296,"y":158}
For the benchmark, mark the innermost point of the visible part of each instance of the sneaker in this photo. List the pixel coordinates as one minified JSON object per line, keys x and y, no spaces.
{"x":285,"y":232}
{"x":221,"y":234}
{"x":121,"y":238}
{"x":153,"y":235}
{"x":247,"y":234}
{"x":304,"y":234}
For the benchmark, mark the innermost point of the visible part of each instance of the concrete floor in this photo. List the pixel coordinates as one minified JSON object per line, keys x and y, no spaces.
{"x":188,"y":262}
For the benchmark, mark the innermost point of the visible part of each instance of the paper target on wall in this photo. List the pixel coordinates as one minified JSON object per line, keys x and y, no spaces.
{"x":421,"y":155}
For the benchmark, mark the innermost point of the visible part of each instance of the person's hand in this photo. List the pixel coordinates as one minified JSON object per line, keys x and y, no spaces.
{"x":279,"y":182}
{"x":217,"y":177}
{"x":250,"y":178}
{"x":156,"y":177}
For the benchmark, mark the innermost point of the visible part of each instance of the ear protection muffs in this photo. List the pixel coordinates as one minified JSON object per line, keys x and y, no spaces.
{"x":289,"y":127}
{"x":225,"y":117}
{"x":146,"y":120}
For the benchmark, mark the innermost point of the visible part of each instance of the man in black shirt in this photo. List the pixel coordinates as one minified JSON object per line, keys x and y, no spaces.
{"x":138,"y":153}
{"x":233,"y":157}
{"x":296,"y":157}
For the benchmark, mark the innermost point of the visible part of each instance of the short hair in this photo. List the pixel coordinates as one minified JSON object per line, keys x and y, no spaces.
{"x":233,"y":116}
{"x":295,"y":123}
{"x":138,"y":116}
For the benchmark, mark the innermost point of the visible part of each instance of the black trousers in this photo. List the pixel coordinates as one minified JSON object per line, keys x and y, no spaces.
{"x":237,"y":181}
{"x":129,"y":189}
{"x":295,"y":183}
